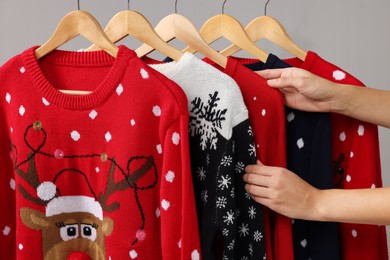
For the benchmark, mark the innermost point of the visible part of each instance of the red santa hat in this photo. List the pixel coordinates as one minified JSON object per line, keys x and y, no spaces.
{"x":79,"y":198}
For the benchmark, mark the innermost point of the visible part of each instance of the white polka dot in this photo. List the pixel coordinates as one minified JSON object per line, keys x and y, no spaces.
{"x":93,"y":114}
{"x":179,"y":243}
{"x":20,"y":246}
{"x":351,"y":154}
{"x":373,"y":186}
{"x":290,"y":117}
{"x":348,"y":178}
{"x":175,"y":138}
{"x":158,"y":213}
{"x":109,"y":258}
{"x":22,"y":110}
{"x":11,"y":129}
{"x":132,"y":122}
{"x":45,"y":102}
{"x":108,"y":137}
{"x":354,"y":233}
{"x":119,"y":89}
{"x":300,"y":143}
{"x":263,"y":112}
{"x":22,"y":70}
{"x":165,"y":204}
{"x":97,"y":169}
{"x":133,"y":254}
{"x":304,"y":243}
{"x":156,"y":111}
{"x":159,"y":149}
{"x":170,"y":176}
{"x":6,"y":230}
{"x":8,"y":97}
{"x":195,"y":255}
{"x":144,"y":74}
{"x":361,"y":130}
{"x":12,"y":183}
{"x":342,"y":136}
{"x":338,"y":75}
{"x":254,"y":98}
{"x":75,"y":135}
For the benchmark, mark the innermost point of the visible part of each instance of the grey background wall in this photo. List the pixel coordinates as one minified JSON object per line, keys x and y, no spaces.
{"x":353,"y":34}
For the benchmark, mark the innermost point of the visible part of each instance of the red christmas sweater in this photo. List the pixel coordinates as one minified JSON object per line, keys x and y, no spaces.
{"x":356,"y":158}
{"x":266,"y":115}
{"x":98,"y":176}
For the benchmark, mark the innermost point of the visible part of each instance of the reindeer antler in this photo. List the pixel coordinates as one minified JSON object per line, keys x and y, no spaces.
{"x":128,"y":182}
{"x":31,"y":177}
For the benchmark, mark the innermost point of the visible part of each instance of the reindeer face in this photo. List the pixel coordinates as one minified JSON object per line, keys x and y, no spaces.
{"x":67,"y":233}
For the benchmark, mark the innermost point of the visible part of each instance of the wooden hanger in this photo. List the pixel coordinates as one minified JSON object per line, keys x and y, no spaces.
{"x":135,"y":24}
{"x":73,"y":24}
{"x":178,"y":26}
{"x":226,"y":26}
{"x":266,"y":27}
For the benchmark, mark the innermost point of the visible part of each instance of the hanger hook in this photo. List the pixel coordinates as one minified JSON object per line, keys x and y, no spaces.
{"x":78,"y":5}
{"x":176,"y":6}
{"x":265,"y":7}
{"x":223,"y":6}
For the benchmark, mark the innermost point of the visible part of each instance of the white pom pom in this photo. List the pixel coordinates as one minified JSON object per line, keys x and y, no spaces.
{"x":46,"y":190}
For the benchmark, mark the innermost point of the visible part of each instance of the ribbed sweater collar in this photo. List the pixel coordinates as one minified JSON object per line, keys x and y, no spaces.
{"x":82,"y":59}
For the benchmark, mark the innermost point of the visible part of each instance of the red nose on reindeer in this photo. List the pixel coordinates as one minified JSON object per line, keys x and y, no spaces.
{"x":78,"y":256}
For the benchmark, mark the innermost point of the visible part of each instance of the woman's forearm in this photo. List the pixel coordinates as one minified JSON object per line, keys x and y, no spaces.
{"x":367,"y":206}
{"x":365,"y":104}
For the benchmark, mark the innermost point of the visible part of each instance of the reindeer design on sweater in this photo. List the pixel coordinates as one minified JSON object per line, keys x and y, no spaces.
{"x":74,"y":227}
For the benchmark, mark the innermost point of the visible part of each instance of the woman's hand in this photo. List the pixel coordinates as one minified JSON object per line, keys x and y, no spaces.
{"x":282,"y":191}
{"x":303,"y":90}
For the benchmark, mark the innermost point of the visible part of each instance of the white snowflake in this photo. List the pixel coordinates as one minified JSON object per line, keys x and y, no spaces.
{"x":252,"y":150}
{"x":252,"y":212}
{"x":240,"y":166}
{"x":229,"y":217}
{"x":221,"y":202}
{"x":231,"y":245}
{"x":250,"y":248}
{"x":247,"y":195}
{"x":224,"y":182}
{"x":232,"y":193}
{"x":226,"y":161}
{"x":204,"y":196}
{"x":250,"y":131}
{"x":208,"y":159}
{"x":225,"y":232}
{"x":257,"y":236}
{"x":201,"y":173}
{"x":243,"y":230}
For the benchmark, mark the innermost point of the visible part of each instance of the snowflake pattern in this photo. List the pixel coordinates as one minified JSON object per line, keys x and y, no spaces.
{"x":224,"y":182}
{"x":225,"y":232}
{"x":201,"y":173}
{"x":252,"y":150}
{"x":204,"y":196}
{"x":239,"y":168}
{"x":206,"y":119}
{"x":258,"y":236}
{"x":231,"y":245}
{"x":250,"y":131}
{"x":243,"y":230}
{"x":252,"y":212}
{"x":229,"y":217}
{"x":250,"y":248}
{"x":232,"y":193}
{"x":221,"y":202}
{"x":226,"y":161}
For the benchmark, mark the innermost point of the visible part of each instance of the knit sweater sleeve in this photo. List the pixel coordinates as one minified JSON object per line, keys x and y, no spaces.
{"x":7,"y":184}
{"x":179,"y":226}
